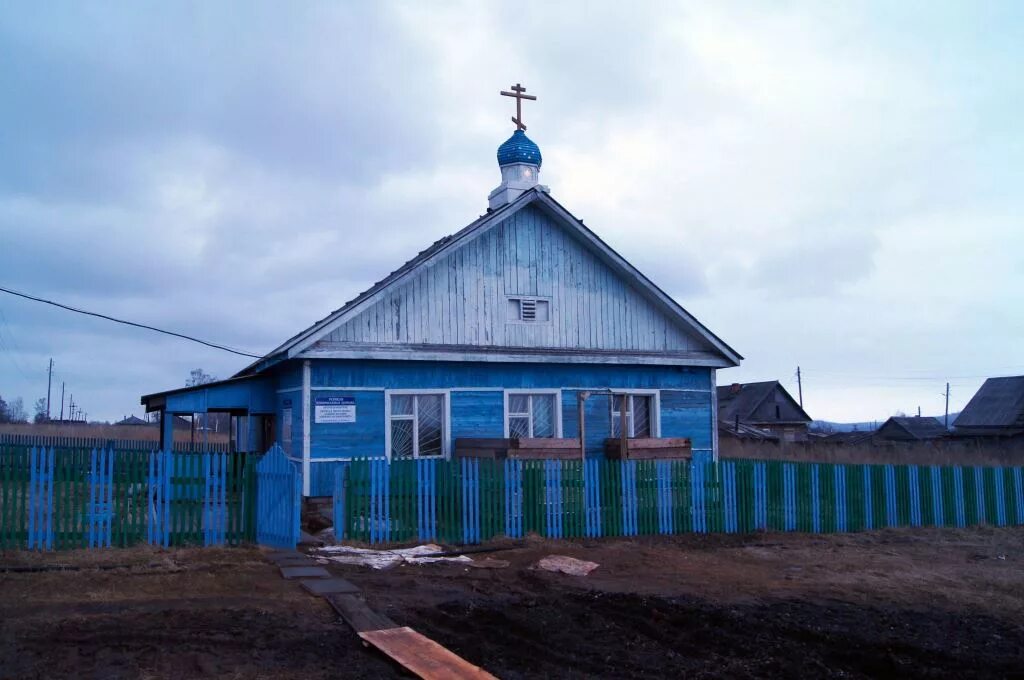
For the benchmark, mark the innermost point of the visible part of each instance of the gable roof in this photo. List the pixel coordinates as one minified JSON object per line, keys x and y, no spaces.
{"x":742,"y":399}
{"x":302,"y":340}
{"x":133,"y":420}
{"x":852,"y":437}
{"x":745,"y":431}
{"x":916,"y":427}
{"x":998,"y":403}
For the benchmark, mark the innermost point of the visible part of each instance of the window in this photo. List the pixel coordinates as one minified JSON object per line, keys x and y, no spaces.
{"x":532,"y":415}
{"x":528,"y":310}
{"x":640,"y":415}
{"x":417,"y":425}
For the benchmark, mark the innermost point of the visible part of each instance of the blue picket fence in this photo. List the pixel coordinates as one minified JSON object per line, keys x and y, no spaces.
{"x":279,"y":499}
{"x":74,"y":498}
{"x":472,"y":500}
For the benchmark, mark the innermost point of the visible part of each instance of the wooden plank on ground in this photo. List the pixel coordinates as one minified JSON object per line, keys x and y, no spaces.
{"x":328,"y":586}
{"x":353,"y":609}
{"x":421,"y":655}
{"x":304,"y":572}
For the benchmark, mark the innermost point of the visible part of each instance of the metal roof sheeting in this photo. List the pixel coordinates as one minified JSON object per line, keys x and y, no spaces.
{"x":918,"y":427}
{"x":999,"y":403}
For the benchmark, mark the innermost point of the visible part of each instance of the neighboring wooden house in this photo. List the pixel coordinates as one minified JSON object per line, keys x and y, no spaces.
{"x":997,"y":409}
{"x":851,"y":438}
{"x":765,"y":406}
{"x":507,"y":330}
{"x":910,"y":429}
{"x":132,"y":420}
{"x":742,"y":431}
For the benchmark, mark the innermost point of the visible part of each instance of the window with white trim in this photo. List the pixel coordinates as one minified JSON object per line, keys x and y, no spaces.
{"x":531,"y":415}
{"x":528,"y":310}
{"x":417,"y":425}
{"x":639,"y":415}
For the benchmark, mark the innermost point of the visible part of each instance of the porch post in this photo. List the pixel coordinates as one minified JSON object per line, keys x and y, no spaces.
{"x":306,"y":426}
{"x":166,"y":430}
{"x":714,"y":415}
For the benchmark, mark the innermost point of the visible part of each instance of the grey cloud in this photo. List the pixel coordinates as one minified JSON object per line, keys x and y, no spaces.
{"x":237,"y":173}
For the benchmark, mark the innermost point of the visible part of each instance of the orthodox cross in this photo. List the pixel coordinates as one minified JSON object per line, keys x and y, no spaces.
{"x":517,"y":92}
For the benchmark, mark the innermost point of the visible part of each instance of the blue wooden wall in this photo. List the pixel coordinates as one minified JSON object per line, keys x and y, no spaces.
{"x":254,"y":394}
{"x":685,"y":397}
{"x":449,"y":374}
{"x":478,"y":414}
{"x":363,"y":438}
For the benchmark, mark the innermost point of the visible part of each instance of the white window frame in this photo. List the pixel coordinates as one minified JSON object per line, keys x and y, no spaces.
{"x":446,"y":424}
{"x":544,"y":391}
{"x":655,"y":409}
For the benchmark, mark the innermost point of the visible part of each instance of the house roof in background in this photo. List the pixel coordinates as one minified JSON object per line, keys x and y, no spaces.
{"x":133,"y":420}
{"x":999,"y":403}
{"x":852,"y":437}
{"x":745,"y":431}
{"x":744,"y":401}
{"x":918,"y":427}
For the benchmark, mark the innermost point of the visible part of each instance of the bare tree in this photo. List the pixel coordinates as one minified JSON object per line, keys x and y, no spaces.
{"x":40,"y":411}
{"x":198,"y":376}
{"x":16,"y":411}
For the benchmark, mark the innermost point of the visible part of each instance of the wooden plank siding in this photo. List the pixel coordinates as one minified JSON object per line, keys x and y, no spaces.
{"x":476,"y":394}
{"x":462,"y":299}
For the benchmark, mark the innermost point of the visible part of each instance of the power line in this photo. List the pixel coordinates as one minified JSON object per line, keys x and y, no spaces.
{"x":10,"y":348}
{"x":130,"y":323}
{"x":852,"y":375}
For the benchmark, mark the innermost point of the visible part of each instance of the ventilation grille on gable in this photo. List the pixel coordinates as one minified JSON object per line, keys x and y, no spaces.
{"x":529,"y":310}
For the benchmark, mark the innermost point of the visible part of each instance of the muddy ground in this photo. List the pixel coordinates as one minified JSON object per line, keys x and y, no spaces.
{"x":196,"y":613}
{"x":906,"y":603}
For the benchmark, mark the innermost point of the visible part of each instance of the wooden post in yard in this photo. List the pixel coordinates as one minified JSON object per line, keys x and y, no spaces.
{"x":581,"y":398}
{"x":622,"y":427}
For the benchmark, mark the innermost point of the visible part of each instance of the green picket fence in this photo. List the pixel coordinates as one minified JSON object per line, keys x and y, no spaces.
{"x":464,"y":501}
{"x":81,"y":498}
{"x":470,"y":500}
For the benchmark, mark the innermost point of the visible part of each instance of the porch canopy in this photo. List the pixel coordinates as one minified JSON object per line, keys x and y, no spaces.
{"x":250,"y":398}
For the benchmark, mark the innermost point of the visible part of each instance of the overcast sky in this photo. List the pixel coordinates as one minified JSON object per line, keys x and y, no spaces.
{"x":831,"y":185}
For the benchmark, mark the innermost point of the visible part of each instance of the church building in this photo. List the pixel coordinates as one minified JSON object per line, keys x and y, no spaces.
{"x":511,"y":329}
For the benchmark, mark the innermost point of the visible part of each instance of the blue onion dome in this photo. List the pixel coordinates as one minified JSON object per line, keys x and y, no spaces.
{"x":519,"y":149}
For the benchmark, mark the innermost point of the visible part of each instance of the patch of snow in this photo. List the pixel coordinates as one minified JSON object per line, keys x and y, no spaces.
{"x":566,"y":565}
{"x":384,"y":559}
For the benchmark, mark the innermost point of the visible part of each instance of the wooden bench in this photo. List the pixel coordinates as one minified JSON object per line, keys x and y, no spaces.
{"x":522,"y":449}
{"x":649,"y":448}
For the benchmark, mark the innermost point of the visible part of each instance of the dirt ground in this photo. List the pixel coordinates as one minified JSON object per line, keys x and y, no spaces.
{"x":906,"y":603}
{"x":196,"y":613}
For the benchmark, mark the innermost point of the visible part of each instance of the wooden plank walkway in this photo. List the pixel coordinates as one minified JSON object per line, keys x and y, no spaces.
{"x":416,"y":653}
{"x":357,"y":614}
{"x":423,"y":656}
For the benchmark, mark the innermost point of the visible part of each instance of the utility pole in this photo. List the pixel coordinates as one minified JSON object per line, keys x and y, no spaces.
{"x":49,"y":383}
{"x":947,"y":406}
{"x":800,"y":386}
{"x":62,"y":401}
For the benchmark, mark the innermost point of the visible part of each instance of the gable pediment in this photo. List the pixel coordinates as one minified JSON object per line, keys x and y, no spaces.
{"x":459,"y":297}
{"x":474,"y":296}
